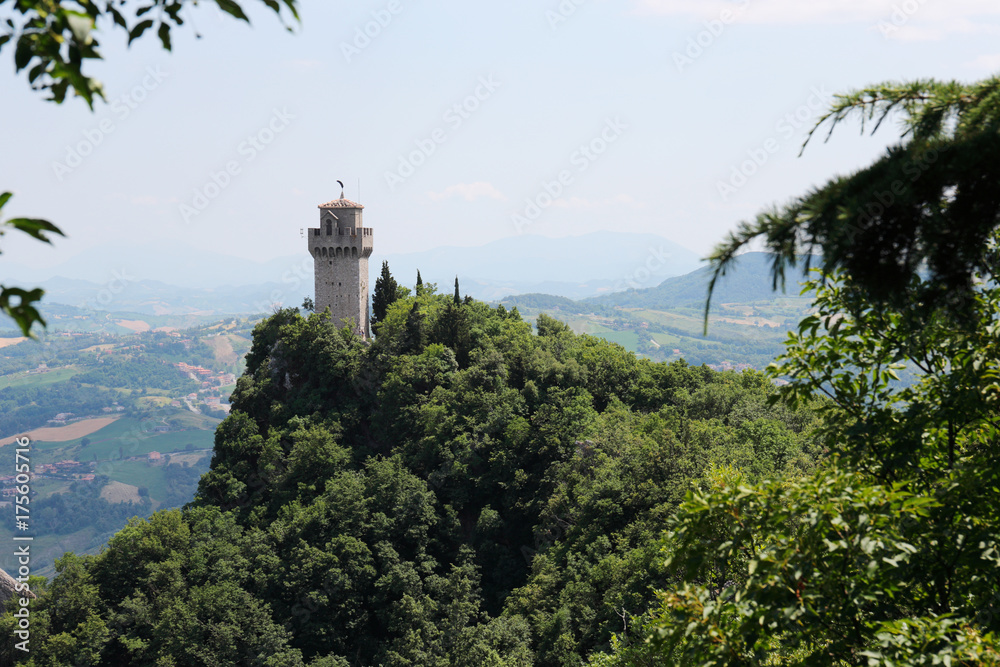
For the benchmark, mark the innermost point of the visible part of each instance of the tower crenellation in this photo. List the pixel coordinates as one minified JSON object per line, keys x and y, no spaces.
{"x":340,"y":247}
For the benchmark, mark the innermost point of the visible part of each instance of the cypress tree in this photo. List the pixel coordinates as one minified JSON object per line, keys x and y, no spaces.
{"x":458,"y":299}
{"x":452,"y":329}
{"x":415,"y":339}
{"x":386,"y":293}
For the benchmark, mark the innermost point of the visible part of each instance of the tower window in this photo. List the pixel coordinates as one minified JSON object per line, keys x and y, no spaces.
{"x":329,"y":228}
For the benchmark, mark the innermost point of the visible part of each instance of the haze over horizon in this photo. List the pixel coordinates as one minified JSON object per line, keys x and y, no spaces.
{"x":454,"y":120}
{"x":175,"y":275}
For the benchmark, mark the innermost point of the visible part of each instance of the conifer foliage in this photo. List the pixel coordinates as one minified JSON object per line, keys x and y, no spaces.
{"x":928,"y":207}
{"x":387,"y":291}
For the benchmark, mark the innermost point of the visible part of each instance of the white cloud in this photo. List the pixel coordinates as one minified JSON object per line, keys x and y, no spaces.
{"x":901,"y":28}
{"x":467,"y":191}
{"x":990,"y":62}
{"x":940,"y":16}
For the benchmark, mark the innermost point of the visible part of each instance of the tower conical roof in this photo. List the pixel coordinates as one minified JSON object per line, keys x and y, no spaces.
{"x":341,"y":203}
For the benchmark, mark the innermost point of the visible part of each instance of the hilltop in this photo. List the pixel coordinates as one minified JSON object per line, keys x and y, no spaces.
{"x":459,"y":491}
{"x":116,"y":387}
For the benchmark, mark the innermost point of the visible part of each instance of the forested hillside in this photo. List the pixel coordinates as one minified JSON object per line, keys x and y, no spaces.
{"x":461,"y":491}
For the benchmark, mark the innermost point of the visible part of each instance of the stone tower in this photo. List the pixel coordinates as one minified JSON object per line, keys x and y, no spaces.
{"x":340,"y":247}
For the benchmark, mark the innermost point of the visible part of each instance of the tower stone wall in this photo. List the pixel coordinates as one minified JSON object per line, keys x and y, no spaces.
{"x":340,"y":247}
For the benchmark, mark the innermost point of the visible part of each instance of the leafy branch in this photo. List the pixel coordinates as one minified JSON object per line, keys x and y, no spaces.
{"x":53,"y":40}
{"x":15,"y":301}
{"x":926,"y":209}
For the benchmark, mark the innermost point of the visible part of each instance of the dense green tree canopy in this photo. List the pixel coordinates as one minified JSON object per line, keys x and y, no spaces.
{"x":889,"y":553}
{"x":461,"y":491}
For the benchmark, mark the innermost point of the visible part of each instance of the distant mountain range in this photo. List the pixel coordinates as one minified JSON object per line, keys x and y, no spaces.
{"x":575,"y":267}
{"x":172,"y":278}
{"x":749,"y":281}
{"x":749,"y":320}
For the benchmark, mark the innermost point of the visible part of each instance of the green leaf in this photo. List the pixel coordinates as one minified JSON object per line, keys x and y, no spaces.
{"x":36,"y":72}
{"x":23,"y":313}
{"x":35,"y":227}
{"x":5,"y":197}
{"x":139,"y":28}
{"x":292,"y":8}
{"x":24,"y":52}
{"x":231,"y":7}
{"x":164,"y":33}
{"x":118,"y":18}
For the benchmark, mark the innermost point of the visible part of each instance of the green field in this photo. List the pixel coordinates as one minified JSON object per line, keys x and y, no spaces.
{"x":185,"y":419}
{"x":133,"y":437}
{"x":46,"y":487}
{"x":137,"y":473}
{"x":627,"y":339}
{"x":38,"y":379}
{"x":666,"y":340}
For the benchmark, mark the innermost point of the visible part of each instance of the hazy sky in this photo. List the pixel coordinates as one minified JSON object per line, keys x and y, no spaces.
{"x":458,"y":117}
